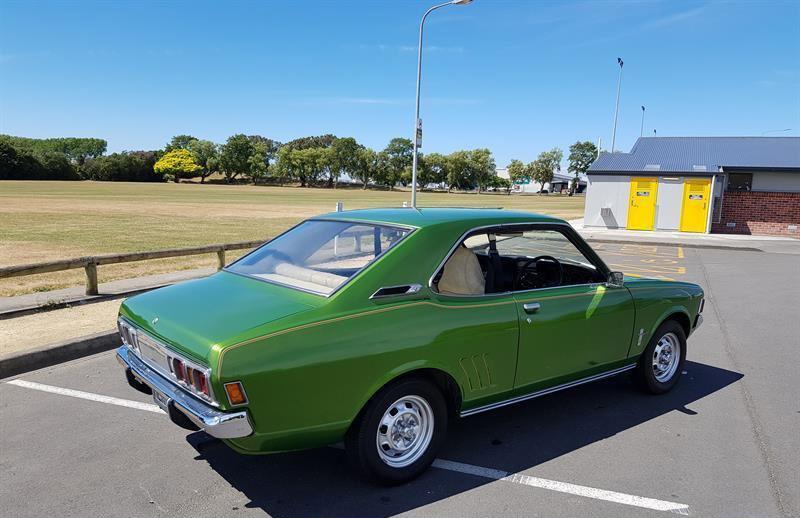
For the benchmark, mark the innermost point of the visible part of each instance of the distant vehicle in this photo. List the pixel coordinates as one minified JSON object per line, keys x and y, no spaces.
{"x":375,"y":327}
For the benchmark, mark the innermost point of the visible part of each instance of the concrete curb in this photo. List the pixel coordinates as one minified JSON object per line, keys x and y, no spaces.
{"x":48,"y":355}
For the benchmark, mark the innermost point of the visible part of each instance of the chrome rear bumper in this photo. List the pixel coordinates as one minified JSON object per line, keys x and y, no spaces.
{"x":178,"y":404}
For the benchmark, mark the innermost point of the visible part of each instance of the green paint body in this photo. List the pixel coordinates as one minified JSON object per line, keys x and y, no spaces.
{"x":310,"y":363}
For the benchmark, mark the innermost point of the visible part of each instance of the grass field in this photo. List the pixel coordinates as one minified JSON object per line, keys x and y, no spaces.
{"x":41,"y":221}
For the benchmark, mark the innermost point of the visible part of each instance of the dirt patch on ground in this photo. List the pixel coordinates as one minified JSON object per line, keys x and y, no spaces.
{"x":31,"y":331}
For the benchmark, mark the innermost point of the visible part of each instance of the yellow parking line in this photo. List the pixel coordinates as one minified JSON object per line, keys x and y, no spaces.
{"x":680,"y":252}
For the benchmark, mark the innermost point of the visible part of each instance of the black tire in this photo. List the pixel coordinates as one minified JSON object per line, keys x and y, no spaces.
{"x":646,"y":375}
{"x":361,"y":441}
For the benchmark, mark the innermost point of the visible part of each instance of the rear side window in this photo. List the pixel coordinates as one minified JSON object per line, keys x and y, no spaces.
{"x":319,"y":256}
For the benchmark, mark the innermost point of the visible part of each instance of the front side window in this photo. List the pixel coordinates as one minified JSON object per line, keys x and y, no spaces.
{"x":319,"y":256}
{"x":503,"y":260}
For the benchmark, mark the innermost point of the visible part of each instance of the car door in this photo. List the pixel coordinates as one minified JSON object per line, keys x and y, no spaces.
{"x":573,"y":329}
{"x":478,"y":332}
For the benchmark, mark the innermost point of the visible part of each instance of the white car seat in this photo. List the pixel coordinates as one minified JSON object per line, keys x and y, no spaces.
{"x":462,"y":274}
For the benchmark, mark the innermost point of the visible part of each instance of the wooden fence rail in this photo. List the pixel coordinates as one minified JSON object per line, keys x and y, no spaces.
{"x":90,"y":263}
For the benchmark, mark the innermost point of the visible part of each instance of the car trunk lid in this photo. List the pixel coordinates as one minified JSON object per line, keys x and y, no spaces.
{"x":194,"y":317}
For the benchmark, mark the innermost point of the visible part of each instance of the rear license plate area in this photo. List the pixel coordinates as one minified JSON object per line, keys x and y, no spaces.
{"x":161,"y":400}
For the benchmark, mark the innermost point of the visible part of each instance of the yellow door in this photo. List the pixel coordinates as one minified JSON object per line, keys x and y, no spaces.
{"x":694,"y":213}
{"x":642,"y":210}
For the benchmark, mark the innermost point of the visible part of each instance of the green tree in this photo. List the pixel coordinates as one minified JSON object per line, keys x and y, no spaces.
{"x":500,"y":184}
{"x":78,"y":150}
{"x":482,"y":168}
{"x":436,"y":168}
{"x":235,"y":157}
{"x":265,"y":153}
{"x":176,"y":163}
{"x":128,"y":166}
{"x":518,"y":172}
{"x":179,"y":142}
{"x":399,"y":153}
{"x":365,"y":166}
{"x":309,"y":142}
{"x":459,"y":174}
{"x":343,"y":159}
{"x":303,"y":165}
{"x":546,"y":165}
{"x":581,"y":156}
{"x":206,"y":155}
{"x":258,"y":163}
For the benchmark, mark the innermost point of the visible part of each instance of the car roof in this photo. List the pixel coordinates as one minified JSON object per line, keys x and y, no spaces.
{"x":432,"y":216}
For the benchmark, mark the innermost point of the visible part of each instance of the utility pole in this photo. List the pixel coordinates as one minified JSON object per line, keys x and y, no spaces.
{"x":417,"y":121}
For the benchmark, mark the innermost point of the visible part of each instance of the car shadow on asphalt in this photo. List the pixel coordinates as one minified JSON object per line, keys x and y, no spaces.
{"x":320,"y":483}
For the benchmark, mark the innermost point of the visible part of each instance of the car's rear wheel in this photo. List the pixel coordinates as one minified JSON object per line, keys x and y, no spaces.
{"x":661,"y":363}
{"x":397,"y":435}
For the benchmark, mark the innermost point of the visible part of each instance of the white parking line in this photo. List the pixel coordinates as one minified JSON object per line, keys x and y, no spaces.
{"x":86,"y":395}
{"x":563,"y":487}
{"x":449,"y":465}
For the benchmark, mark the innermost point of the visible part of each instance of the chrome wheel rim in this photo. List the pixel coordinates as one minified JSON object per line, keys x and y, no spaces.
{"x":666,"y":357}
{"x":405,"y":431}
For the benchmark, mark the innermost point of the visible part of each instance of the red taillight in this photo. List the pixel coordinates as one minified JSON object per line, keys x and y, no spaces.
{"x":202,"y":384}
{"x":194,"y":378}
{"x":179,"y":369}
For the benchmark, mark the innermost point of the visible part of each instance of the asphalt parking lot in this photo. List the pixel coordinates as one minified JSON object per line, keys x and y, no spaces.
{"x":725,"y":442}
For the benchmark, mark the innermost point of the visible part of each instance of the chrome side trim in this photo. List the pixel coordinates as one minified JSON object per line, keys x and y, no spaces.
{"x":546,"y":391}
{"x":223,"y":425}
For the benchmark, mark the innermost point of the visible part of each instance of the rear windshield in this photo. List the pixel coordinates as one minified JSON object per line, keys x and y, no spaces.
{"x":319,"y":256}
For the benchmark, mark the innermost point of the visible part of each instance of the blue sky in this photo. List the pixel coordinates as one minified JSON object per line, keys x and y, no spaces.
{"x":516,"y":76}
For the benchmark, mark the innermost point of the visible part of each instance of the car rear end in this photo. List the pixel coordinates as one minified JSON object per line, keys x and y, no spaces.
{"x":181,"y":387}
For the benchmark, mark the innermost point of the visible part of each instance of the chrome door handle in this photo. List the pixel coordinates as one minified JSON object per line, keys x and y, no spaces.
{"x":531,"y":307}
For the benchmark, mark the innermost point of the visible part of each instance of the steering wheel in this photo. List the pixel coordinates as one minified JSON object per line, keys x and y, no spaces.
{"x":522,"y":269}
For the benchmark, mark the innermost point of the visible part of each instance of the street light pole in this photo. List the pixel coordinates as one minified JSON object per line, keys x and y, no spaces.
{"x":417,"y":121}
{"x":641,"y":131}
{"x":616,"y":110}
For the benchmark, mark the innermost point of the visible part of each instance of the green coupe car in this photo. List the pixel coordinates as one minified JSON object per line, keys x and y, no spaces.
{"x":376,"y":327}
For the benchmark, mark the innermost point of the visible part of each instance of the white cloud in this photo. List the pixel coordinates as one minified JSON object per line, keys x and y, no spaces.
{"x":674,"y":18}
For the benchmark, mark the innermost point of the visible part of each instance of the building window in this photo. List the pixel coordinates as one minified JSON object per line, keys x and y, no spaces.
{"x":740,"y":182}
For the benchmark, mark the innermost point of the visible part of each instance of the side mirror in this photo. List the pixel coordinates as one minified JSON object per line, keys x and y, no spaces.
{"x":615,"y":280}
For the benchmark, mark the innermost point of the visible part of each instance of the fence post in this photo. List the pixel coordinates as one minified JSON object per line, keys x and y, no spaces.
{"x":91,"y":278}
{"x":220,"y":259}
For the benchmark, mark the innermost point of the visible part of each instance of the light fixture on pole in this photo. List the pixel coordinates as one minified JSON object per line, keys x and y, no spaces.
{"x":616,"y":110}
{"x":417,"y":121}
{"x":775,"y":131}
{"x":641,"y":131}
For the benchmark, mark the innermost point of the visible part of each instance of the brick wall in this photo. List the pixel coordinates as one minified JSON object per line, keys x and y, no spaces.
{"x":766,"y":213}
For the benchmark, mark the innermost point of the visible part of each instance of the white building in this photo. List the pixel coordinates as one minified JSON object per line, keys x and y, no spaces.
{"x":742,"y":185}
{"x":560,"y":183}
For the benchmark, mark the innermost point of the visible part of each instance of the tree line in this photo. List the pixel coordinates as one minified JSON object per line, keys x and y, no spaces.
{"x":314,"y":161}
{"x":323,"y":161}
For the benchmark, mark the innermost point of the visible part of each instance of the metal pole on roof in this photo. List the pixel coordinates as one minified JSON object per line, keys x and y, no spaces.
{"x":641,"y":131}
{"x":417,"y":121}
{"x":616,"y":110}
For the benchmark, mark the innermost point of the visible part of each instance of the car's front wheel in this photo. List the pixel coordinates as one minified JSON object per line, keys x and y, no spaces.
{"x":661,"y":363}
{"x":397,"y":435}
